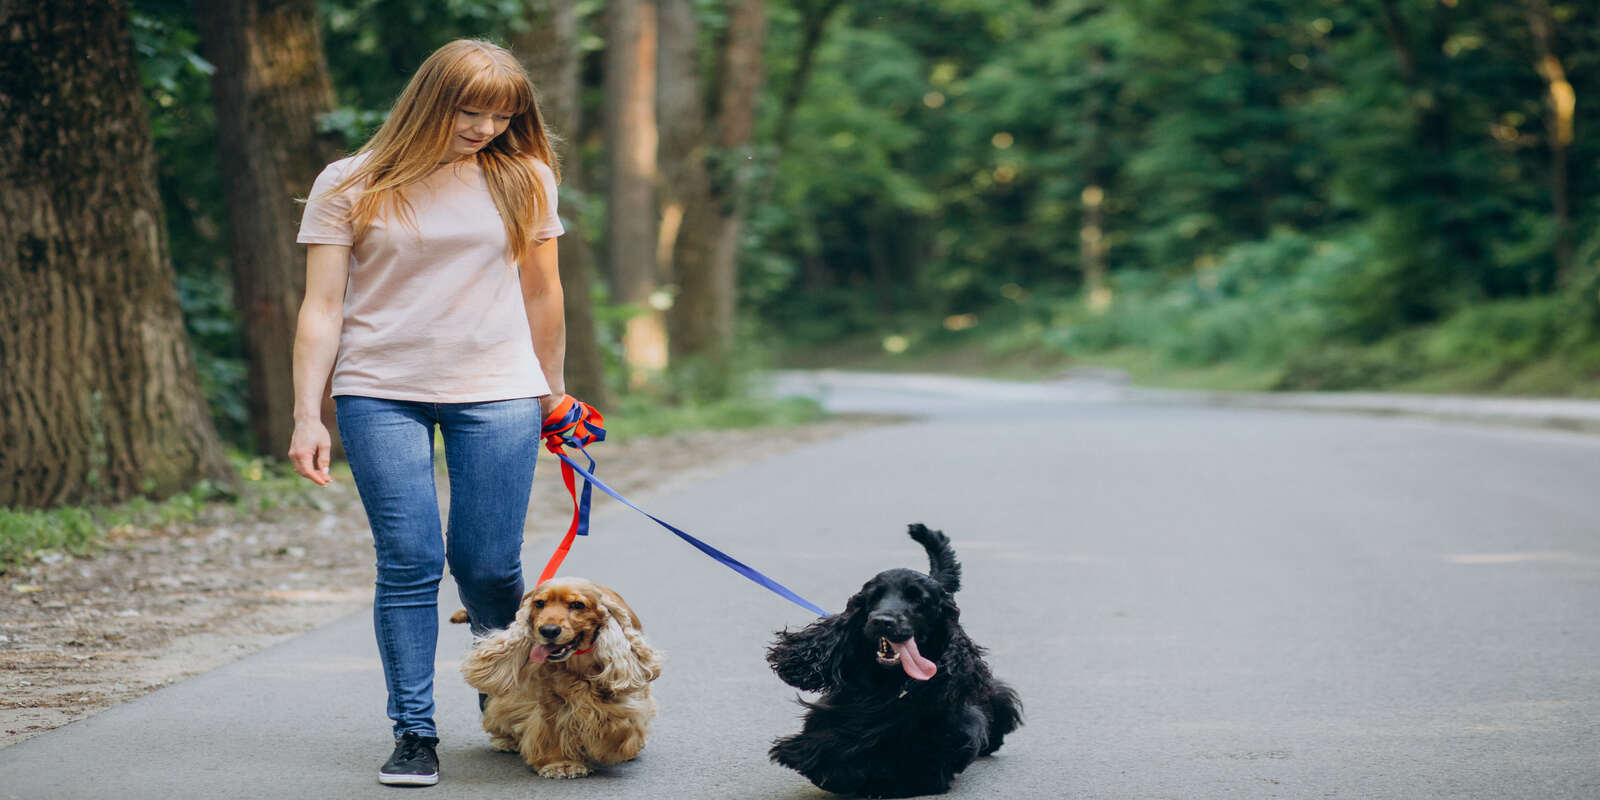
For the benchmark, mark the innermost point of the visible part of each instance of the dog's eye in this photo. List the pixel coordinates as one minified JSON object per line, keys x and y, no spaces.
{"x":576,"y":605}
{"x":538,"y":604}
{"x":913,"y":593}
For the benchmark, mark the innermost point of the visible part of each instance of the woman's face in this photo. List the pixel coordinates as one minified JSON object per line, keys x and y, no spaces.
{"x":474,"y":128}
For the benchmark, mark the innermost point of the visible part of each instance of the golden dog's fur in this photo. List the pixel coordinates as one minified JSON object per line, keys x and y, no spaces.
{"x":574,"y":700}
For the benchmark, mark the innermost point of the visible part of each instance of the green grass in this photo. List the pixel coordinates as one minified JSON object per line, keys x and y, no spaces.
{"x":1147,"y":368}
{"x":1007,"y":358}
{"x":265,"y":486}
{"x":1523,"y":348}
{"x":638,"y":416}
{"x":23,"y":534}
{"x":1010,"y":357}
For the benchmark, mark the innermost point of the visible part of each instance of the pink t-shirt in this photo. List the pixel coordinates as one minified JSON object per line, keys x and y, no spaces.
{"x":433,"y":311}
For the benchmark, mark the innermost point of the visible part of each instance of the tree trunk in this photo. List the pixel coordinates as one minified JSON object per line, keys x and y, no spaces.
{"x":710,"y":181}
{"x":1563,"y":102}
{"x":98,"y":395}
{"x":270,"y":85}
{"x":631,"y":152}
{"x":684,"y":182}
{"x":549,"y":50}
{"x":1091,"y":236}
{"x":814,"y":18}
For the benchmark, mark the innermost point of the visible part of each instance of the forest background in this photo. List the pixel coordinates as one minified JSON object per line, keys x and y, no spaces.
{"x":1251,"y":194}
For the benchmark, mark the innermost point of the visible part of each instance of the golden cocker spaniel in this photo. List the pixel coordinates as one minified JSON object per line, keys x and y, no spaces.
{"x":569,"y":681}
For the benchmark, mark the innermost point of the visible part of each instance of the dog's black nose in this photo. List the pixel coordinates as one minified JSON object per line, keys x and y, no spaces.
{"x":549,"y":631}
{"x":888,"y":623}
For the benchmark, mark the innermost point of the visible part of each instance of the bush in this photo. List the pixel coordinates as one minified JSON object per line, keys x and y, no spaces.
{"x":1346,"y":367}
{"x":1507,"y":333}
{"x":1257,"y":302}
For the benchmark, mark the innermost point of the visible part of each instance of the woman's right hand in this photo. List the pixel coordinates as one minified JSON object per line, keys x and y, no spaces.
{"x":310,"y":450}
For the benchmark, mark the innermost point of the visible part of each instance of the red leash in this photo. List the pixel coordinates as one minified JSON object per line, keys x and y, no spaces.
{"x":573,"y":422}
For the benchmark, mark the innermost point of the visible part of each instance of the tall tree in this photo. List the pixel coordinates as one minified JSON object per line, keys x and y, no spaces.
{"x":631,"y":155}
{"x":1091,"y":234}
{"x":549,"y":49}
{"x":98,"y":399}
{"x":270,"y":85}
{"x":706,"y":174}
{"x":1558,"y":136}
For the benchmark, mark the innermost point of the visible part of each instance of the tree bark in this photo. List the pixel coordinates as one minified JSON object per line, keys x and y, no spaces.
{"x":270,"y":85}
{"x":549,"y":51}
{"x":98,"y":394}
{"x":710,"y":180}
{"x":1563,"y":102}
{"x":814,"y":17}
{"x":1091,"y":236}
{"x":631,"y":153}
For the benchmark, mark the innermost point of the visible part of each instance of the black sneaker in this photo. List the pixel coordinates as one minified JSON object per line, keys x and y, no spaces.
{"x":413,"y":763}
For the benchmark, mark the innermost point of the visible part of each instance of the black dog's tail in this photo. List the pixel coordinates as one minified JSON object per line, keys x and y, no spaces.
{"x":942,"y":564}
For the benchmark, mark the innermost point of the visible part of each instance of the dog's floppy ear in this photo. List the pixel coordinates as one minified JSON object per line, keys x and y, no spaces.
{"x":813,"y":658}
{"x":626,"y":660}
{"x":942,"y":564}
{"x":809,"y":659}
{"x":495,"y":663}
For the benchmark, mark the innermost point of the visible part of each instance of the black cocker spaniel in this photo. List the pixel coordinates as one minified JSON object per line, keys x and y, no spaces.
{"x":907,"y":700}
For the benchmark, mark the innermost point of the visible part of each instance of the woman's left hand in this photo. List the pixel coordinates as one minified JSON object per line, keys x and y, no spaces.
{"x":548,"y":404}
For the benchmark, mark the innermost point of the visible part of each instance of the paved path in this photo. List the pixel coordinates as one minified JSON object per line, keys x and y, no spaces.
{"x":1193,"y":602}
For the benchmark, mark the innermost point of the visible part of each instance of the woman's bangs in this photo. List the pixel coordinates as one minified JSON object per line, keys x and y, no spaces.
{"x":493,"y":89}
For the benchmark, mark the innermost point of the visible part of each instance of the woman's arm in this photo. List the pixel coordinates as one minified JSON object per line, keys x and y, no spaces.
{"x":316,"y":343}
{"x":547,"y":322}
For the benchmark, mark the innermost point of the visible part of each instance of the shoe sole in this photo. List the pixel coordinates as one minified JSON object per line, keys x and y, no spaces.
{"x":408,"y":780}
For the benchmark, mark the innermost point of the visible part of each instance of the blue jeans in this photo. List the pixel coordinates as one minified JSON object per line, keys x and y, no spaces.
{"x":490,"y":449}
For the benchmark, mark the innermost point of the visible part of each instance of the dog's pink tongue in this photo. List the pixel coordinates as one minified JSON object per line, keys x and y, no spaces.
{"x":539,"y":653}
{"x":912,"y":661}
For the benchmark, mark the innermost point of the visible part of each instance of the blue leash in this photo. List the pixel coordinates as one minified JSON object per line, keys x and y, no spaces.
{"x":581,"y":526}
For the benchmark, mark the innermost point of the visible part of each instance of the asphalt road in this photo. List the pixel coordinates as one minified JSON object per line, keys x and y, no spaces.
{"x":1193,"y":603}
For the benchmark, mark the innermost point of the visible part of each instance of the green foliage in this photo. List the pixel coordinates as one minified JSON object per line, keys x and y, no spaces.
{"x":1275,"y":183}
{"x":1506,"y":334}
{"x":1482,"y":348}
{"x":374,"y":46}
{"x":1258,"y":303}
{"x":26,"y":533}
{"x":177,"y":87}
{"x":206,"y":299}
{"x":267,"y":487}
{"x":1306,"y":188}
{"x":1342,"y":367}
{"x":641,"y":415}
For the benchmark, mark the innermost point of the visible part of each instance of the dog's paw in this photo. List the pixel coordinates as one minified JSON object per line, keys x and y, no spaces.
{"x":564,"y":769}
{"x":460,"y":616}
{"x":504,"y":744}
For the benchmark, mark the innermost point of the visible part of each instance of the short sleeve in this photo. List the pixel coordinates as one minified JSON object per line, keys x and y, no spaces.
{"x":327,"y":216}
{"x":550,"y":226}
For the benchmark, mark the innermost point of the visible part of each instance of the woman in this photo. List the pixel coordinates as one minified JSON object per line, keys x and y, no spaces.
{"x":432,"y":294}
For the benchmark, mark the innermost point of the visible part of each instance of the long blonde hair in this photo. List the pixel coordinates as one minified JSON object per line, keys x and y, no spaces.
{"x":465,"y":72}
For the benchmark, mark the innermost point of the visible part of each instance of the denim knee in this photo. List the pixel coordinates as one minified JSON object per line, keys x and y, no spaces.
{"x":478,"y":577}
{"x":405,"y":566}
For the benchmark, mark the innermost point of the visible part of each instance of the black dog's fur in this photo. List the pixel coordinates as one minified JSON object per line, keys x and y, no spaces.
{"x":874,"y":731}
